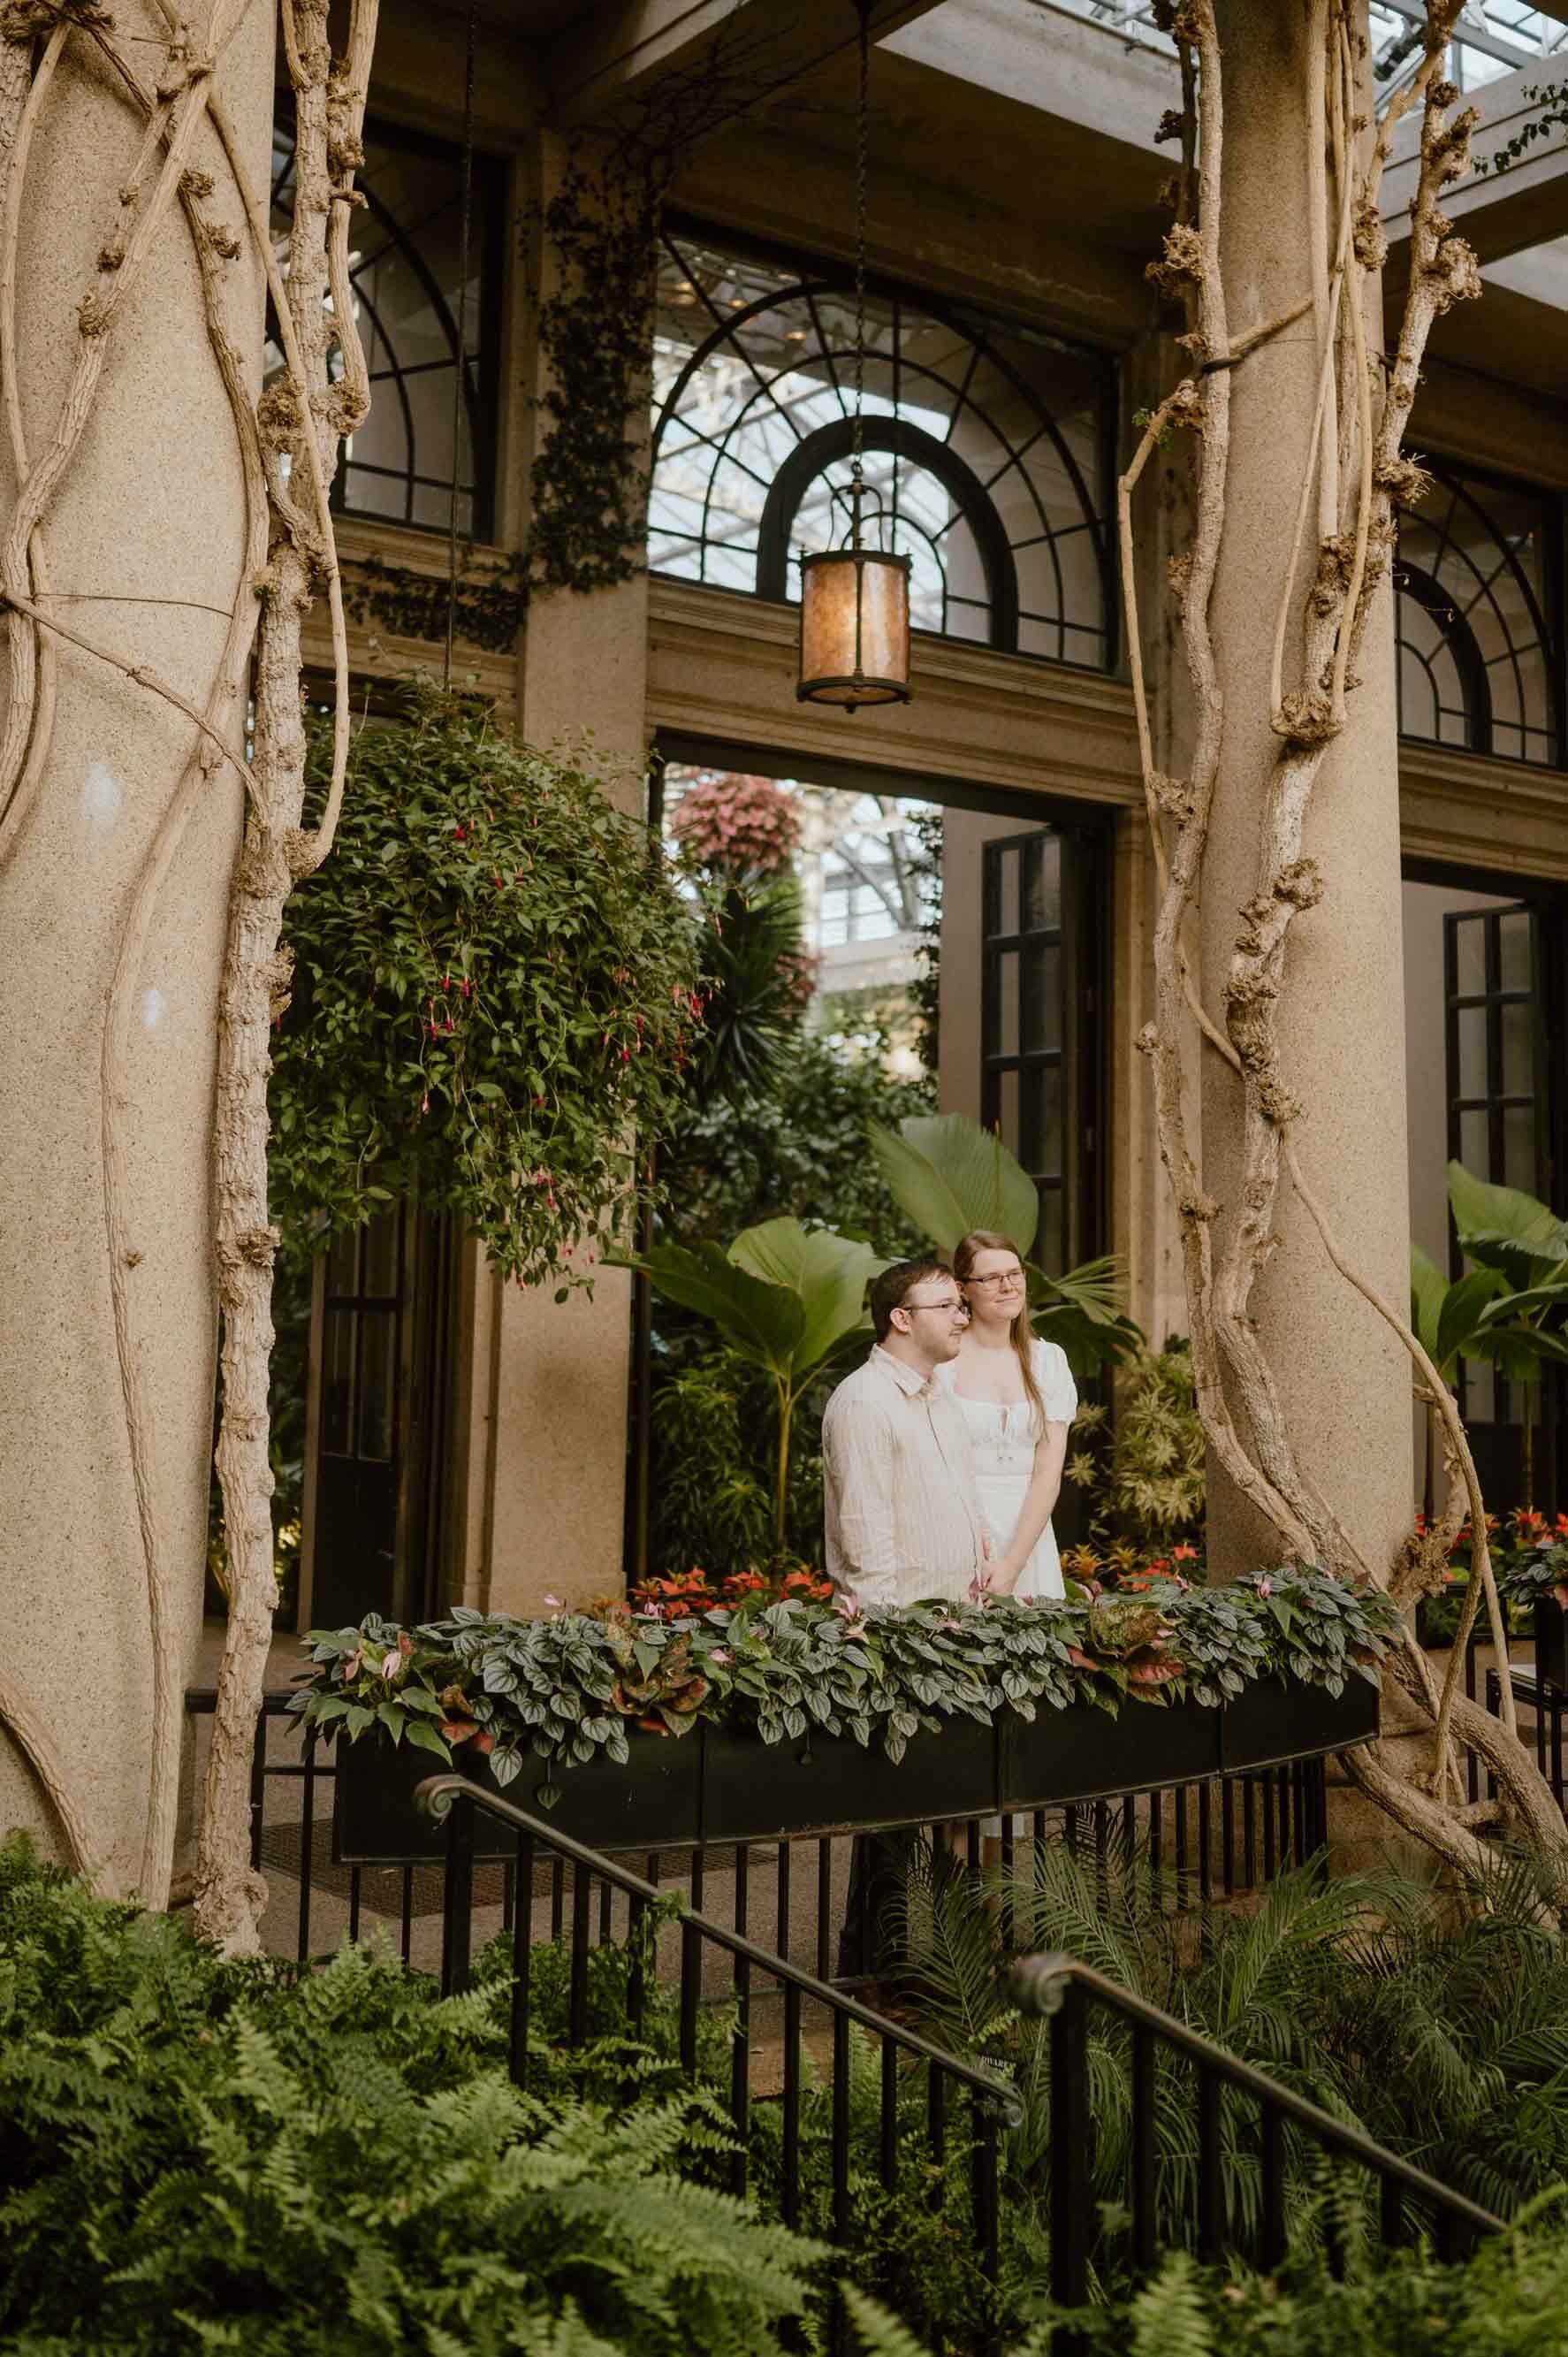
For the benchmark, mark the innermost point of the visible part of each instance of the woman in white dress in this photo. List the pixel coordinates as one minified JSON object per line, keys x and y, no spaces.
{"x":1018,"y":1400}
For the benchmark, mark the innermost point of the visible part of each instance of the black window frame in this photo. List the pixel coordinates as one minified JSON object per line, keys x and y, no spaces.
{"x":482,"y":366}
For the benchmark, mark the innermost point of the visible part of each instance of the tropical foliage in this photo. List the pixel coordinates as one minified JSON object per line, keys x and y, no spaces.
{"x":947,"y":1175}
{"x":1436,"y":2023}
{"x":568,"y":1688}
{"x":788,"y":1300}
{"x":201,"y":2154}
{"x":1509,"y":1309}
{"x":1146,"y":1471}
{"x":495,"y":995}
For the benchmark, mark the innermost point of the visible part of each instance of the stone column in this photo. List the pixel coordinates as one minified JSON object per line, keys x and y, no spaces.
{"x":145,"y":556}
{"x":1344,"y":1378}
{"x":546,"y":1489}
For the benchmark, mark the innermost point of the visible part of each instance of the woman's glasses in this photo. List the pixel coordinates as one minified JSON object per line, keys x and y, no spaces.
{"x":1006,"y":1280}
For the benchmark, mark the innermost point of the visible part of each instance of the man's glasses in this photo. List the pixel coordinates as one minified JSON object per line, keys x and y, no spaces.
{"x":954,"y":1305}
{"x":1011,"y":1279}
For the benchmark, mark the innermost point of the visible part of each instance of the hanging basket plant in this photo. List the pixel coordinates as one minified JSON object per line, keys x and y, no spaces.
{"x":494,"y":994}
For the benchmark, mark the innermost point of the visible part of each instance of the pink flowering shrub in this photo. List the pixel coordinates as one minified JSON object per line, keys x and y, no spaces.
{"x":737,"y":826}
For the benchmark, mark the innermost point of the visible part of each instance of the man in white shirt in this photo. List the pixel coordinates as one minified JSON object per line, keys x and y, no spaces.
{"x":903,"y":1521}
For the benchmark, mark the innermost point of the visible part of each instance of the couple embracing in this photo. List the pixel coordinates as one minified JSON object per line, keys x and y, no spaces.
{"x":943,"y":1454}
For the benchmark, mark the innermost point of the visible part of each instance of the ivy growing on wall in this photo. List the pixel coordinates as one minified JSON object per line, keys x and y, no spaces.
{"x":594,"y":239}
{"x":494,"y":996}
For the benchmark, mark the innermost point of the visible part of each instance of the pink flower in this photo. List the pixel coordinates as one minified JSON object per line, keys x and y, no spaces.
{"x":718,"y":1654}
{"x":392,"y":1663}
{"x":1265,"y":1588}
{"x":556,"y":1601}
{"x":351,"y":1666}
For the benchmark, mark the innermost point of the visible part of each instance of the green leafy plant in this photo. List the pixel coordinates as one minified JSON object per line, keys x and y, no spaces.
{"x":756,"y":983}
{"x":1524,"y":1246}
{"x":566,"y":1688}
{"x":947,"y":1175}
{"x":787,"y":1299}
{"x":201,"y":2154}
{"x":1150,"y":1471}
{"x":494,"y":996}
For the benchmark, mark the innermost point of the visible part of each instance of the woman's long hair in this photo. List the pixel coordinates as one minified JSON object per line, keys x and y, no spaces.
{"x":981,"y":1240}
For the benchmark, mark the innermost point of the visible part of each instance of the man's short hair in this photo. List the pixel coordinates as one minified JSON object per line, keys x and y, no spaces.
{"x":891,"y":1288}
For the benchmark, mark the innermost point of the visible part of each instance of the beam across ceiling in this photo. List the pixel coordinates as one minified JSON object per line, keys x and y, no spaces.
{"x":1500,"y":212}
{"x":625,"y":49}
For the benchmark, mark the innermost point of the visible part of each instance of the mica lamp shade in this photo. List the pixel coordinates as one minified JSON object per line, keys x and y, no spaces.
{"x":854,"y":629}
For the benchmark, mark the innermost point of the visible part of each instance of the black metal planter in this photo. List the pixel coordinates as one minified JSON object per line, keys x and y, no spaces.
{"x":1082,"y":1753}
{"x":1551,"y":1642}
{"x":754,"y":1791}
{"x":1274,"y":1721}
{"x":655,"y":1800}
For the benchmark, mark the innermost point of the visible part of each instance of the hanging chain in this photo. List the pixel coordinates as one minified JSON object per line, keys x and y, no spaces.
{"x":861,"y":167}
{"x":461,"y":371}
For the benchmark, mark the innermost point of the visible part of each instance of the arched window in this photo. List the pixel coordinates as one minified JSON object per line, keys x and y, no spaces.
{"x":991,"y":449}
{"x":1480,"y":657}
{"x":405,"y":268}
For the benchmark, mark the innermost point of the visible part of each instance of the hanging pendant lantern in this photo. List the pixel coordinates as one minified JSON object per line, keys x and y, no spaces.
{"x":854,"y":600}
{"x":854,"y":623}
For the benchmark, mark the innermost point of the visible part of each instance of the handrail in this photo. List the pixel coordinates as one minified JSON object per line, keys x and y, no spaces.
{"x":436,"y":1795}
{"x":1040,"y":1981}
{"x":1061,"y":1988}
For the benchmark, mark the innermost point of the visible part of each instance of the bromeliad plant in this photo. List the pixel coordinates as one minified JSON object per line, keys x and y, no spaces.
{"x":570,"y":1688}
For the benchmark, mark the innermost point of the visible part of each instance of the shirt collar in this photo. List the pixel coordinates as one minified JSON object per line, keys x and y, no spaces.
{"x":914,"y":1386}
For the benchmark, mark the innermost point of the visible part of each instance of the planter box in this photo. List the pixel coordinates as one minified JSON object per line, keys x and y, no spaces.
{"x":1551,"y":1642}
{"x":654,"y":1802}
{"x":374,"y":1821}
{"x":1274,"y":1722}
{"x":1082,"y":1753}
{"x":754,"y":1791}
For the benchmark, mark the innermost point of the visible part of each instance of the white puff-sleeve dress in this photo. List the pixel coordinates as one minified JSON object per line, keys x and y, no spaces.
{"x":1004,"y":1438}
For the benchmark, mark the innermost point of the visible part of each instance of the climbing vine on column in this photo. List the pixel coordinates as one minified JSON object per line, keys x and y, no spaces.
{"x":1341,"y":525}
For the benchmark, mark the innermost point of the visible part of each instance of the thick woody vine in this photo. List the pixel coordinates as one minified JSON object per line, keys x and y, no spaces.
{"x":1355,"y":479}
{"x":286,"y":447}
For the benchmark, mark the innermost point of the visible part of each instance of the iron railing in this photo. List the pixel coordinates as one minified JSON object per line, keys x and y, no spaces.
{"x":1212,"y":1839}
{"x":594,"y":1878}
{"x":1068,"y":1992}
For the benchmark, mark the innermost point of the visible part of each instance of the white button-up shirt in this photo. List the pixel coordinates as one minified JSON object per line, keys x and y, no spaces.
{"x":903,"y":1521}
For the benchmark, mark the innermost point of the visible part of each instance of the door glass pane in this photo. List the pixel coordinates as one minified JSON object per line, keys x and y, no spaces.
{"x":1469,"y":956}
{"x":1042,"y":1154}
{"x":1513,"y":944}
{"x":1472,"y":1051}
{"x":1007,"y":1110}
{"x":1043,"y":908}
{"x":342,"y":1257}
{"x":1009,"y":864}
{"x":1007,"y":1003}
{"x":1519,"y":1147}
{"x":378,"y":1378}
{"x":337,"y":1380}
{"x":380,"y":1280}
{"x":1042,"y":995}
{"x":1473,"y":1150}
{"x":1519,"y":1048}
{"x":1048,"y":1241}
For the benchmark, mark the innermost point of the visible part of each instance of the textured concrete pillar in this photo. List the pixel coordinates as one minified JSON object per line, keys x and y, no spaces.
{"x":545,"y":1511}
{"x":1344,"y":1379}
{"x":145,"y":539}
